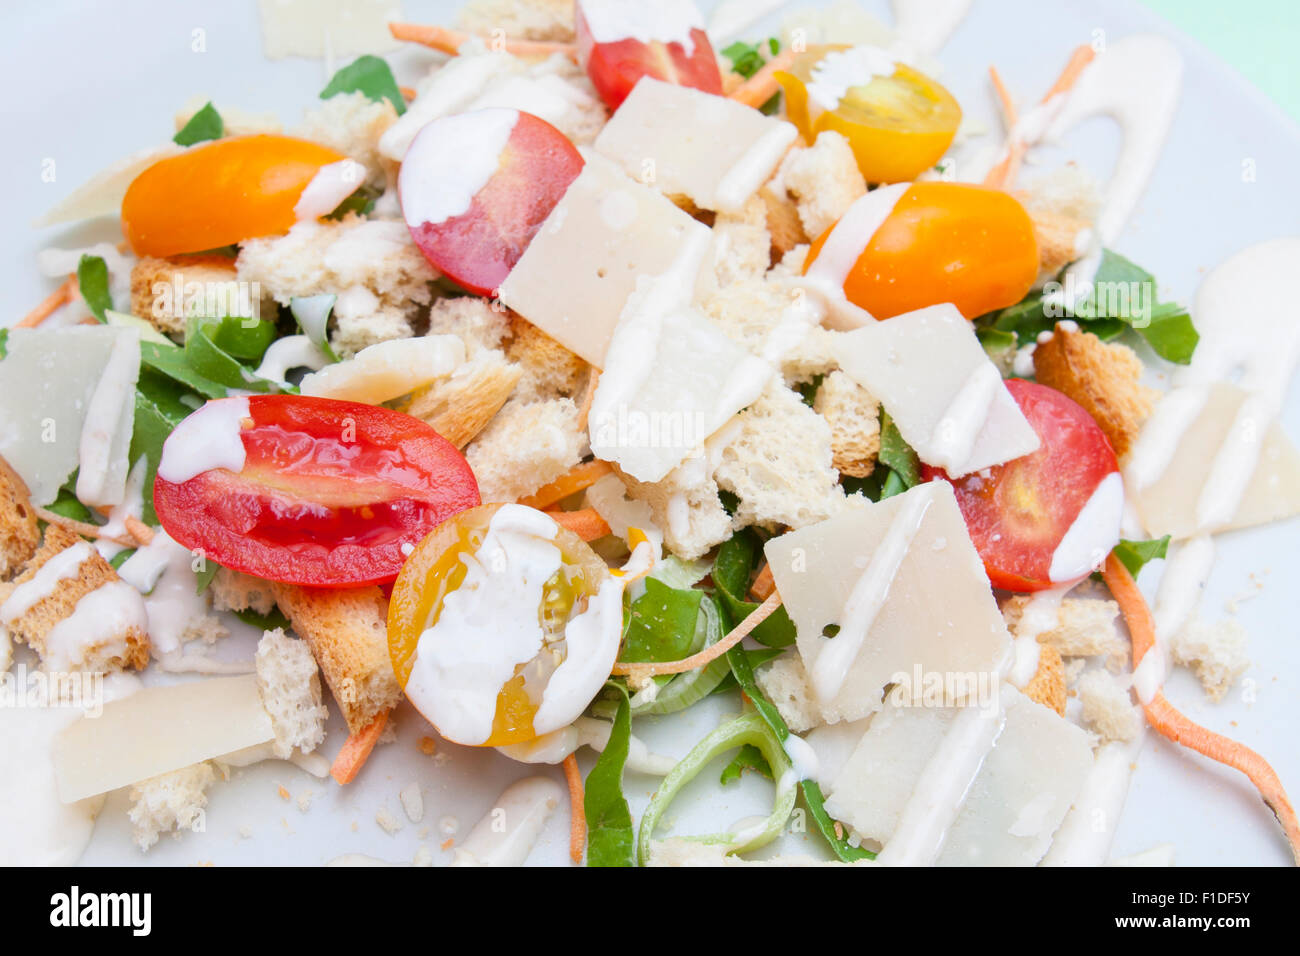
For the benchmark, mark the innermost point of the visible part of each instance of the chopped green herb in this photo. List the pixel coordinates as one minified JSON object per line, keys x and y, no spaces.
{"x":370,"y":75}
{"x":204,"y":125}
{"x":92,"y":282}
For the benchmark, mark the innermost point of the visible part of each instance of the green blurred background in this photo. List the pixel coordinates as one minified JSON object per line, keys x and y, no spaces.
{"x":1258,"y":37}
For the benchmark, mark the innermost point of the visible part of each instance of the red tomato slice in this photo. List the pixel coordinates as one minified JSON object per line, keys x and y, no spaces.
{"x":478,"y":247}
{"x":1019,"y":513}
{"x":329,"y":493}
{"x":615,"y":66}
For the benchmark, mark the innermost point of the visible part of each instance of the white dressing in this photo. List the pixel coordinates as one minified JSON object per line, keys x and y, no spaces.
{"x":206,"y":440}
{"x":1092,"y":535}
{"x":333,"y":183}
{"x":450,"y":161}
{"x":508,"y":832}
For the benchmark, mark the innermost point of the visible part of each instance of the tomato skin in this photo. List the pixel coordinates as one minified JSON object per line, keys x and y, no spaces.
{"x":616,"y":67}
{"x":329,"y":493}
{"x":220,"y":193}
{"x":1019,"y":513}
{"x":945,"y":242}
{"x":478,"y":248}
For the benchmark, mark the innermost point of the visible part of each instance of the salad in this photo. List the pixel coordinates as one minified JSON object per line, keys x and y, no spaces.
{"x":625,"y":367}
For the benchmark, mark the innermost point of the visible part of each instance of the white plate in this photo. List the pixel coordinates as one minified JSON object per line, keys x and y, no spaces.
{"x":93,"y":83}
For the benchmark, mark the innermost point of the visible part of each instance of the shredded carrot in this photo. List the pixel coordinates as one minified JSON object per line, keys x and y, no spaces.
{"x":52,"y":302}
{"x":408,"y":93}
{"x":141,"y":532}
{"x":764,"y":584}
{"x":356,"y":749}
{"x":1176,"y":726}
{"x":83,"y":528}
{"x":1009,"y":113}
{"x":579,"y":478}
{"x":763,"y":85}
{"x":449,"y":41}
{"x":585,"y":523}
{"x":577,"y":810}
{"x":710,"y":653}
{"x":1080,"y":58}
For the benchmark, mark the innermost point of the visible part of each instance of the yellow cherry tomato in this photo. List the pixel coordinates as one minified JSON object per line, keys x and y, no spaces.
{"x":898,"y":125}
{"x":435,"y":569}
{"x":220,"y":193}
{"x":944,"y":242}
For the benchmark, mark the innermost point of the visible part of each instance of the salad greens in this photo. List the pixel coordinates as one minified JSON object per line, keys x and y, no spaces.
{"x":610,"y":835}
{"x":1135,"y":555}
{"x":370,"y":75}
{"x":733,"y":570}
{"x":748,"y":757}
{"x":92,"y":281}
{"x":661,"y":626}
{"x":748,"y":58}
{"x":204,"y":125}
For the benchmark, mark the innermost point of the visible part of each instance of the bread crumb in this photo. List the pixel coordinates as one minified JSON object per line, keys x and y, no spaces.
{"x":412,"y":801}
{"x":283,"y":793}
{"x":1215,"y":652}
{"x":428,"y":746}
{"x":387,"y":822}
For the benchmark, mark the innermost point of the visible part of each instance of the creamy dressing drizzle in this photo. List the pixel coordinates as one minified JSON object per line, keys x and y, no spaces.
{"x":1040,"y":615}
{"x":957,"y":430}
{"x":440,"y":182}
{"x":1186,"y":572}
{"x":508,"y":832}
{"x":332,"y":184}
{"x":208,"y":439}
{"x":99,"y":622}
{"x":1088,"y":830}
{"x":1092,"y":534}
{"x":62,"y":566}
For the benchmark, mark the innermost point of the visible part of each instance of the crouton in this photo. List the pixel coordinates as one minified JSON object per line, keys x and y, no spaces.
{"x":236,"y":591}
{"x":459,"y":406}
{"x":854,"y":417}
{"x":234,"y":121}
{"x":784,"y":226}
{"x":754,"y":312}
{"x":742,"y":246}
{"x":1047,"y":686}
{"x":347,"y":631}
{"x":547,"y":20}
{"x":1107,"y":709}
{"x":686,"y":507}
{"x":169,"y":802}
{"x":1215,"y":652}
{"x":527,"y":445}
{"x":1102,"y":377}
{"x":289,"y":684}
{"x":779,"y":463}
{"x":155,"y":283}
{"x":351,"y":123}
{"x":1085,"y":628}
{"x":785,"y":682}
{"x":6,"y":650}
{"x":1063,"y":207}
{"x":19,"y":532}
{"x":480,"y":324}
{"x":824,"y":180}
{"x":549,"y":369}
{"x":64,"y":571}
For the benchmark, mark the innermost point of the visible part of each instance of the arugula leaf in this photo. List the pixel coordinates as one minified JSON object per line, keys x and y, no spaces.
{"x":683,"y":690}
{"x":204,"y":125}
{"x":242,"y":338}
{"x":92,"y":281}
{"x":897,"y":455}
{"x":662,"y":624}
{"x":611,"y":840}
{"x":215,"y":364}
{"x":361,"y":202}
{"x":370,"y":75}
{"x":150,"y":430}
{"x":119,"y":559}
{"x":1135,"y":555}
{"x":68,"y":505}
{"x":808,"y":390}
{"x":267,"y":622}
{"x":171,"y":361}
{"x":747,"y":58}
{"x":733,"y":570}
{"x":748,"y":757}
{"x":1171,"y":334}
{"x":203,"y":579}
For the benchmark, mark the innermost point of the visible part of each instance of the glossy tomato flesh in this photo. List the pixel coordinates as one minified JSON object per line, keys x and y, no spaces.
{"x":1017,"y":513}
{"x":329,"y":493}
{"x":478,"y":248}
{"x":614,"y":68}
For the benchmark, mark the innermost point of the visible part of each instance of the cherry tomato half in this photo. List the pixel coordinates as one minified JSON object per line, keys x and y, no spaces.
{"x":220,"y":193}
{"x":437,"y":567}
{"x":943,"y":242}
{"x":898,"y":125}
{"x":475,"y":188}
{"x":615,"y":62}
{"x":1026,"y":517}
{"x":328,"y":494}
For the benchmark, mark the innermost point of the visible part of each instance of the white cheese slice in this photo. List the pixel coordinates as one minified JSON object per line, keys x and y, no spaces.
{"x":576,"y":276}
{"x":928,"y":370}
{"x":110,"y":420}
{"x":46,"y":386}
{"x":388,"y":370}
{"x":102,"y":194}
{"x":684,"y":141}
{"x":908,"y":592}
{"x":1206,"y":462}
{"x":158,"y":730}
{"x":327,"y":28}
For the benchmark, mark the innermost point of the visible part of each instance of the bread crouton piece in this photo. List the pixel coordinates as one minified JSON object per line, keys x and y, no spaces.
{"x":235,"y":591}
{"x":169,"y":803}
{"x":480,"y":325}
{"x":785,"y":682}
{"x":1107,"y":709}
{"x":154,"y":285}
{"x":351,"y":123}
{"x":1047,"y":686}
{"x":1063,"y":206}
{"x":347,"y":631}
{"x":1102,"y":377}
{"x":779,"y":463}
{"x":854,"y":417}
{"x":1215,"y":652}
{"x":527,"y":445}
{"x":686,"y":507}
{"x":742,"y":246}
{"x":549,"y":369}
{"x":751,"y":311}
{"x":289,"y":683}
{"x":824,"y":180}
{"x":19,"y":533}
{"x":1085,"y":627}
{"x":459,"y":406}
{"x":784,"y":225}
{"x":549,"y":20}
{"x":64,"y":571}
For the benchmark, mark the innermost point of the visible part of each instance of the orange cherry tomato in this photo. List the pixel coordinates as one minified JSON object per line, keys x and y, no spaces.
{"x":944,"y":242}
{"x":898,"y":125}
{"x":220,"y":193}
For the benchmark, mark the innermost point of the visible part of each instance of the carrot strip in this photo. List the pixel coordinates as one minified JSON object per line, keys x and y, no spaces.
{"x":585,"y":523}
{"x":577,"y":810}
{"x":1080,"y":58}
{"x":449,"y":41}
{"x":408,"y":93}
{"x":1009,"y":113}
{"x":579,"y":478}
{"x":356,"y":749}
{"x":764,"y":584}
{"x":710,"y":653}
{"x":52,"y":302}
{"x":141,"y":532}
{"x":1176,"y":726}
{"x":83,"y":528}
{"x":763,"y":85}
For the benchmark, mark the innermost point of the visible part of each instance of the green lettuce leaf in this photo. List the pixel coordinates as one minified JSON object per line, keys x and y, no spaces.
{"x":661,"y":626}
{"x":611,"y":839}
{"x":370,"y":75}
{"x":204,"y":125}
{"x":92,"y":282}
{"x":1135,"y":555}
{"x":733,"y":571}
